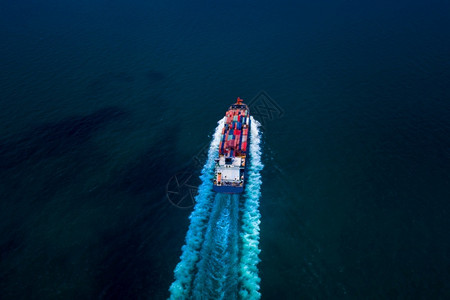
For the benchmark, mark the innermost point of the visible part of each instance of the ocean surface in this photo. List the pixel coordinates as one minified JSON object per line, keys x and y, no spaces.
{"x":104,"y":103}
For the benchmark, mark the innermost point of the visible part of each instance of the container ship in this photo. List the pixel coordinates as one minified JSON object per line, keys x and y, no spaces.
{"x":230,"y":166}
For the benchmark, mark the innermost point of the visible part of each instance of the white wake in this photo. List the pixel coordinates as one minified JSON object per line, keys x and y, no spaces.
{"x":248,"y":273}
{"x":215,"y":263}
{"x":181,"y":287}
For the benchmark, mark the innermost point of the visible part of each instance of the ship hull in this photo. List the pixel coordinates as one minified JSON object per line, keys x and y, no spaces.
{"x":231,"y":165}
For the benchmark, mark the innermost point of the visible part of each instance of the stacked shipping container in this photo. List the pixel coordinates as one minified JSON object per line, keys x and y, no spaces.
{"x":235,"y":132}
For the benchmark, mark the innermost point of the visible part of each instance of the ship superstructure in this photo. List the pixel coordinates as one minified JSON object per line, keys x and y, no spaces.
{"x":231,"y":164}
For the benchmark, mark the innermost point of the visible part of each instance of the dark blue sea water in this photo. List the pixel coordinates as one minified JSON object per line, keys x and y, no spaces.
{"x":102,"y":102}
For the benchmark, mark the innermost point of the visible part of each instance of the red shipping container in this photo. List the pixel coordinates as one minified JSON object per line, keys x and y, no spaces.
{"x":244,"y":146}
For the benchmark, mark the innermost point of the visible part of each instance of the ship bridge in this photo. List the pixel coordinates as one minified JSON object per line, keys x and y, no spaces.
{"x":230,"y":169}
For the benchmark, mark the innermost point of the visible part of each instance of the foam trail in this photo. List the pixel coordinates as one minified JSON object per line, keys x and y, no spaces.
{"x":181,"y":287}
{"x":248,"y":271}
{"x":217,"y":275}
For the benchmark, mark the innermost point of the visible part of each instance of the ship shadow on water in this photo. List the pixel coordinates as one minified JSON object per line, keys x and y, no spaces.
{"x":152,"y":169}
{"x":131,"y":256}
{"x":56,"y":139}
